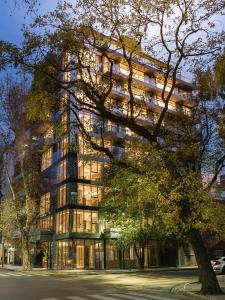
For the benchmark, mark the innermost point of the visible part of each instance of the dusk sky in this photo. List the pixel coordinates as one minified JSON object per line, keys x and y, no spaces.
{"x":12,"y":18}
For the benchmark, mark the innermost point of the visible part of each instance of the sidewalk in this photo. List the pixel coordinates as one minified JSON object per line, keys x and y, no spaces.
{"x":113,"y":271}
{"x":193,"y":290}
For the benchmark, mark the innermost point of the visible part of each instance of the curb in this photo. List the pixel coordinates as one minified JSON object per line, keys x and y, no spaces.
{"x":97,"y":272}
{"x":181,"y":288}
{"x":192,"y":293}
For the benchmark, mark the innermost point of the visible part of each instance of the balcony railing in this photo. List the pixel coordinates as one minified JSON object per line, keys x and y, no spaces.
{"x":148,"y":82}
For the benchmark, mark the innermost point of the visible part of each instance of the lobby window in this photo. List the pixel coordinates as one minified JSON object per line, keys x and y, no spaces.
{"x":63,"y":146}
{"x":89,"y":170}
{"x":85,"y":221}
{"x":62,"y":219}
{"x":62,"y":195}
{"x":89,"y":194}
{"x":61,"y":171}
{"x":45,"y":204}
{"x":46,"y":159}
{"x":45,"y":223}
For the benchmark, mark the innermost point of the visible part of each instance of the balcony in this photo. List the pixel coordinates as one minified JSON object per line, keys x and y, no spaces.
{"x":144,"y":82}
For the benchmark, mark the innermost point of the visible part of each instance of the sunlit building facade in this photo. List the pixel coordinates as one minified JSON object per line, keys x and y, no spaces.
{"x":71,"y":230}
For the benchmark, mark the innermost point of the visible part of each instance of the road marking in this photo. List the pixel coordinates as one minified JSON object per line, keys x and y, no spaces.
{"x":50,"y":299}
{"x":25,"y":274}
{"x":76,"y":298}
{"x":150,"y":296}
{"x":20,"y":274}
{"x":13,"y":274}
{"x":128,"y":296}
{"x":101,"y":297}
{"x":38,"y":274}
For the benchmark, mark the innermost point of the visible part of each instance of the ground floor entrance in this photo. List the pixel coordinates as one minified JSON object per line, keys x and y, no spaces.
{"x":90,"y":254}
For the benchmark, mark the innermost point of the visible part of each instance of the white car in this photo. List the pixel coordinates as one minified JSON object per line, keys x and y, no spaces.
{"x":219,"y":265}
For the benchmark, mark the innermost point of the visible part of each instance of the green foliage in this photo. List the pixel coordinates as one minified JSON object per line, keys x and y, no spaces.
{"x":43,"y":97}
{"x":219,"y":70}
{"x":147,"y":199}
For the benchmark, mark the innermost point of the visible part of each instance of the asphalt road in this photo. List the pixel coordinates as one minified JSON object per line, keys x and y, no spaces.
{"x":123,"y":286}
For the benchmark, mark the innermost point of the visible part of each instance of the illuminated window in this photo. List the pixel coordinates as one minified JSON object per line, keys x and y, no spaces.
{"x":85,"y":221}
{"x":186,"y":110}
{"x":64,"y":122}
{"x":138,"y":75}
{"x":62,"y":220}
{"x":48,"y":134}
{"x":63,"y":146}
{"x":62,"y":195}
{"x":86,"y":149}
{"x":160,"y":84}
{"x":87,"y":120}
{"x":45,"y":204}
{"x":45,"y":223}
{"x":61,"y":172}
{"x":46,"y":159}
{"x":90,"y":170}
{"x":89,"y":194}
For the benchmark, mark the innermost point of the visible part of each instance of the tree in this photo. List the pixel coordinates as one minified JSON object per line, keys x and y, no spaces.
{"x":176,"y":32}
{"x":19,"y":207}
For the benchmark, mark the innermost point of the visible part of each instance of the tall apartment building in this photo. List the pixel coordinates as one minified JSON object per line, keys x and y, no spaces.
{"x":71,"y":232}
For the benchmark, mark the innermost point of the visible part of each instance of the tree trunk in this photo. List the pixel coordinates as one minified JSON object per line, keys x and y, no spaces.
{"x":207,"y":276}
{"x":26,"y":252}
{"x":140,"y":256}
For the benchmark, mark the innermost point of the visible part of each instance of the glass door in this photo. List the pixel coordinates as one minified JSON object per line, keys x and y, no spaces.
{"x":80,"y":256}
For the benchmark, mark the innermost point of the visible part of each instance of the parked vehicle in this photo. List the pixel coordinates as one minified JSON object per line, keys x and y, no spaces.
{"x":219,"y":265}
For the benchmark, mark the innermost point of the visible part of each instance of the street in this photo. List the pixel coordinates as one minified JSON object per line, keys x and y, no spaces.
{"x":39,"y":285}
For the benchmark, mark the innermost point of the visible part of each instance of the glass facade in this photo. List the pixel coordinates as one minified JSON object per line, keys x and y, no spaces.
{"x":89,"y":194}
{"x":45,"y":204}
{"x":85,"y":221}
{"x":46,"y":159}
{"x":89,"y":170}
{"x":63,"y":146}
{"x":61,"y":171}
{"x":46,"y":223}
{"x":62,"y":195}
{"x":62,"y":222}
{"x":80,"y":254}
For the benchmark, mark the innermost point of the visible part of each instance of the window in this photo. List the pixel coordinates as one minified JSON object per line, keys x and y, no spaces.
{"x":62,"y":220}
{"x":62,"y":195}
{"x":45,"y":223}
{"x":187,"y":110}
{"x":138,"y":75}
{"x":89,"y":170}
{"x":61,"y":172}
{"x":86,"y":149}
{"x":89,"y":194}
{"x":63,"y":146}
{"x":90,"y":122}
{"x":45,"y":204}
{"x":48,"y":134}
{"x":85,"y":221}
{"x":160,"y":84}
{"x":46,"y":159}
{"x":64,"y":122}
